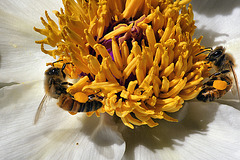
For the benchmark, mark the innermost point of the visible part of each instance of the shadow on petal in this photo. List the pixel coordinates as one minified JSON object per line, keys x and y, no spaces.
{"x":234,"y":104}
{"x":82,"y":137}
{"x":212,"y":8}
{"x":209,"y":36}
{"x":169,"y":135}
{"x":6,"y":84}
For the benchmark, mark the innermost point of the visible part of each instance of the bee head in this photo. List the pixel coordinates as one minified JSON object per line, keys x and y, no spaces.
{"x":53,"y":71}
{"x":215,"y":54}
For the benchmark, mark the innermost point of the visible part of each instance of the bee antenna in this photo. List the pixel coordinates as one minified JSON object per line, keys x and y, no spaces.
{"x":70,"y":63}
{"x":207,"y":49}
{"x":63,"y":67}
{"x":56,"y":62}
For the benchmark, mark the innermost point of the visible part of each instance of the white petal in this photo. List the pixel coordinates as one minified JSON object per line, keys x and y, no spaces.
{"x":209,"y":131}
{"x":216,"y":20}
{"x":58,"y":135}
{"x":21,"y":58}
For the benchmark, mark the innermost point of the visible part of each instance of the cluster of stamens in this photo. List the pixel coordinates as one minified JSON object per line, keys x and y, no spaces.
{"x":137,"y":55}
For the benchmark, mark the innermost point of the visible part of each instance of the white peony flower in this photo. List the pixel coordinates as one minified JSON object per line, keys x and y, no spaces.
{"x":204,"y":131}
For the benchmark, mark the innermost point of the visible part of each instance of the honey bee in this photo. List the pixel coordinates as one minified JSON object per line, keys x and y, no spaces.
{"x":221,"y":81}
{"x":55,"y":86}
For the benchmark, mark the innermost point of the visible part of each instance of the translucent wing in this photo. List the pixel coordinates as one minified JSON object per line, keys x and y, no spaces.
{"x":41,"y":108}
{"x":235,"y":82}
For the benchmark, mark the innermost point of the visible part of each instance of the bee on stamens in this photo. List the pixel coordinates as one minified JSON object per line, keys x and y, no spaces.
{"x":221,"y":81}
{"x":55,"y":86}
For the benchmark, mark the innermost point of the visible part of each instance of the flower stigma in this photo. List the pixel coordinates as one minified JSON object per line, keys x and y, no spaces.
{"x":137,"y":55}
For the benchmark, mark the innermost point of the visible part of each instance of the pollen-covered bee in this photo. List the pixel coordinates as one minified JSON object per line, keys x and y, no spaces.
{"x":221,"y":81}
{"x":55,"y":86}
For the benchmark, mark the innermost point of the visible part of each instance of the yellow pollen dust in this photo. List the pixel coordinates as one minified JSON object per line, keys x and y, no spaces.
{"x":138,"y":55}
{"x":81,"y":97}
{"x":219,"y":84}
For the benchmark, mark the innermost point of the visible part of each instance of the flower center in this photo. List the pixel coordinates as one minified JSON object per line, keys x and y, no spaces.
{"x":138,"y":56}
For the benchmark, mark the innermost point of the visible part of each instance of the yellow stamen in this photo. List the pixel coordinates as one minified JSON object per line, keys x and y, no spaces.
{"x":131,"y":8}
{"x":100,"y":49}
{"x":175,"y":90}
{"x":125,"y":53}
{"x":116,"y":54}
{"x":190,"y":95}
{"x":93,"y":64}
{"x":118,"y":31}
{"x":127,"y":71}
{"x":114,"y":69}
{"x":109,"y":76}
{"x":165,"y":84}
{"x":151,"y":38}
{"x":79,"y":85}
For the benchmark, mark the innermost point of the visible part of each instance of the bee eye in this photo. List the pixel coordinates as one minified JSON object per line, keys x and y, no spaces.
{"x":215,"y":54}
{"x":54,"y":71}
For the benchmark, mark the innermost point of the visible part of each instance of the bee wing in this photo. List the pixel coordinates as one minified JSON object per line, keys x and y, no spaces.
{"x":41,"y":108}
{"x":235,"y":82}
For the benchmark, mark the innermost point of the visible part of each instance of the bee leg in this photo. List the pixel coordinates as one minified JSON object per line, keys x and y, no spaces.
{"x":208,"y":83}
{"x":208,"y":49}
{"x":66,"y":83}
{"x":225,"y":71}
{"x":218,"y":73}
{"x":92,"y":96}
